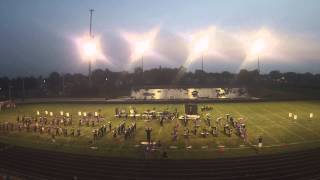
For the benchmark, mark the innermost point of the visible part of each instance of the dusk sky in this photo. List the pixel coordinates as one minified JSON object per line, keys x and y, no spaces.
{"x":40,"y":36}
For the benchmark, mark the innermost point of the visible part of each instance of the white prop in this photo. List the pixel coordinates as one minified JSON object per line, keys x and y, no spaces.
{"x":311,"y":115}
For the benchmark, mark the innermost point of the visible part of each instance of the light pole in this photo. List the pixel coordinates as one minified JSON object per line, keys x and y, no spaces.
{"x":142,"y":63}
{"x":259,"y":64}
{"x":202,"y":63}
{"x":199,"y":47}
{"x":91,"y":37}
{"x":257,"y":48}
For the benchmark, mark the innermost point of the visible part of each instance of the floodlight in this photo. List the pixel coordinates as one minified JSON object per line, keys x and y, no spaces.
{"x":199,"y":43}
{"x":90,"y":49}
{"x":258,"y":47}
{"x":140,"y":44}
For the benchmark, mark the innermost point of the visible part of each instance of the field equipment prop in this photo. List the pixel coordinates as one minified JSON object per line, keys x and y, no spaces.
{"x":311,"y":116}
{"x":191,"y":109}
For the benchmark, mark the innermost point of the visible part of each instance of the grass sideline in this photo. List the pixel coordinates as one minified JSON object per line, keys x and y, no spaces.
{"x":269,"y":119}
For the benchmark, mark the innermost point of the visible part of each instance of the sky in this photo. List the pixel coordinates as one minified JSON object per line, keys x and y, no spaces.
{"x":41,"y":36}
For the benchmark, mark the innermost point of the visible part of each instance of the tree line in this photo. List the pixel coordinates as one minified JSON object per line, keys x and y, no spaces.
{"x":106,"y":83}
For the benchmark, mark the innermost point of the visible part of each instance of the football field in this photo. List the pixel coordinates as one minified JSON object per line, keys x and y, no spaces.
{"x":270,"y":120}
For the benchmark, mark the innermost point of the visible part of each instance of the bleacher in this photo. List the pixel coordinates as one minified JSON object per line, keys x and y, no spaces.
{"x":32,"y":164}
{"x":189,"y":93}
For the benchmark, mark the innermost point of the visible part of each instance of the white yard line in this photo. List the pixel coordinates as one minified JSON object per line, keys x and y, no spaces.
{"x":160,"y":130}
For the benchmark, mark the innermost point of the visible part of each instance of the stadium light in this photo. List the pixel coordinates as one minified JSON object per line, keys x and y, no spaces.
{"x":141,"y":44}
{"x":141,"y":47}
{"x":199,"y":44}
{"x":257,"y":48}
{"x":89,"y":48}
{"x":257,"y":44}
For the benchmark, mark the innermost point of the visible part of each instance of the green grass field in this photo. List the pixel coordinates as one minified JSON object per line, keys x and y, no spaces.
{"x":268,"y":119}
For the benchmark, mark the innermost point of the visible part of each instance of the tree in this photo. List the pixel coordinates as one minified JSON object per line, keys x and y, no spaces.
{"x":54,"y":83}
